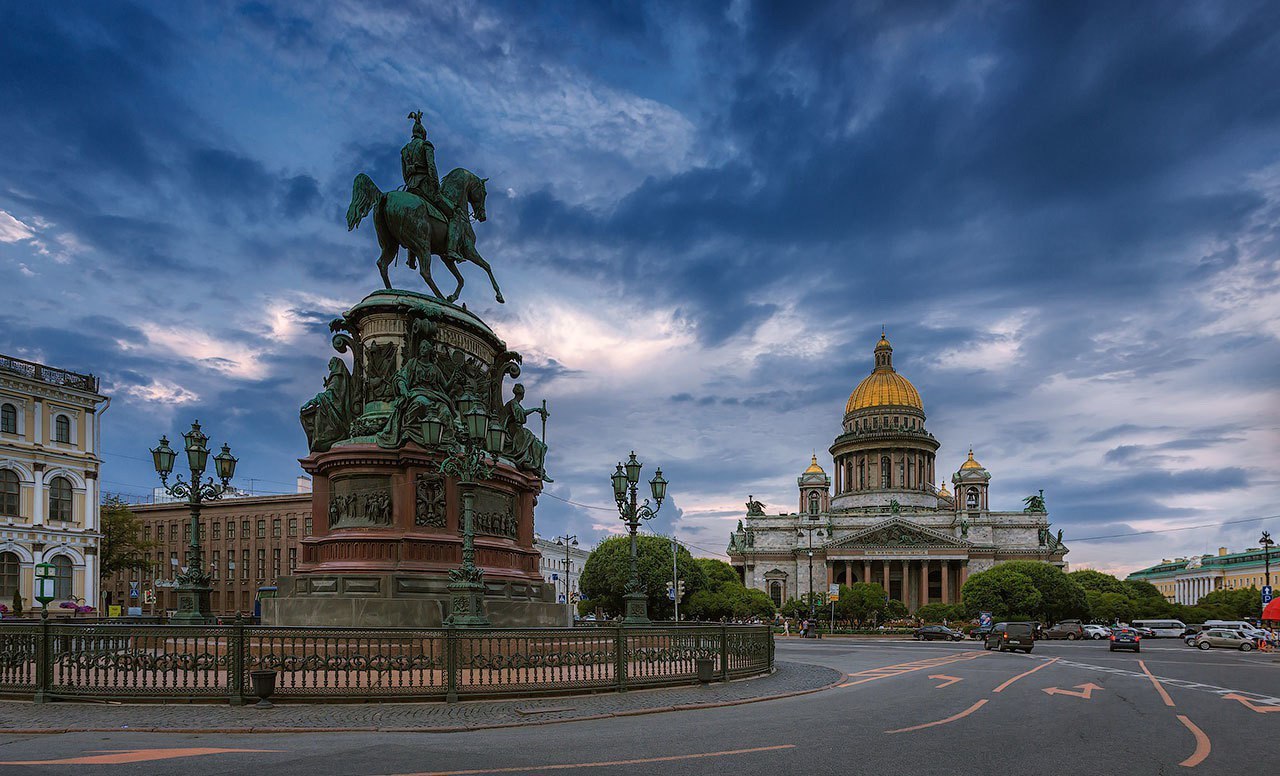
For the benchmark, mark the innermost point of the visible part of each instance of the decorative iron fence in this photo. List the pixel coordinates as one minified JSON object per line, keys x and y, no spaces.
{"x":209,"y":663}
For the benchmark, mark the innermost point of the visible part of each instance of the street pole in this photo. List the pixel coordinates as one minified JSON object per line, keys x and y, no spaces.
{"x":1267,"y":543}
{"x":568,"y":540}
{"x":625,"y":479}
{"x":675,"y":578}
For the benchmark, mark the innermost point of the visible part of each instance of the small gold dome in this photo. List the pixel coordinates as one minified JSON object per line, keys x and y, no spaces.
{"x":942,"y":490}
{"x":814,"y":468}
{"x":970,"y":464}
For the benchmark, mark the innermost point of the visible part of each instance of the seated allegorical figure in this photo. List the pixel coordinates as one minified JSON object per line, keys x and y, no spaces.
{"x":523,"y":446}
{"x":422,"y":391}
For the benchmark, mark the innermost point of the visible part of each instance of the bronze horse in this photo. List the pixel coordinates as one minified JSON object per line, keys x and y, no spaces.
{"x":401,"y":218}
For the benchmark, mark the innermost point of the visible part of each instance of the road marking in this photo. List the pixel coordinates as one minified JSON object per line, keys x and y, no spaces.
{"x":603,"y":763}
{"x":1260,"y":709}
{"x":1159,"y":687}
{"x":1028,"y":673}
{"x":952,"y":718}
{"x":898,"y":669}
{"x":1202,"y":744}
{"x":1086,"y":691}
{"x":133,"y":756}
{"x":951,"y":680}
{"x":1182,"y":683}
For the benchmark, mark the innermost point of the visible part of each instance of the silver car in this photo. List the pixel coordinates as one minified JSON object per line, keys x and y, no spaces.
{"x":1221,"y":637}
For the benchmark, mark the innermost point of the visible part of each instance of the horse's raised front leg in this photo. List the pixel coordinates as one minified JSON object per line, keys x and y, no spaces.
{"x":475,"y":258}
{"x":453,"y":267}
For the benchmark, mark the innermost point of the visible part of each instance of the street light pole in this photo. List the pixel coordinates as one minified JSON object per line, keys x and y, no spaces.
{"x":194,"y":581}
{"x":811,"y":529}
{"x":1267,"y":544}
{"x":625,"y":481}
{"x":568,"y":540}
{"x":675,"y":579}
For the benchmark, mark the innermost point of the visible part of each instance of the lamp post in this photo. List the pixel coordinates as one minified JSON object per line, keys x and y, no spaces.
{"x":470,"y":461}
{"x":1267,"y":543}
{"x":194,"y":581}
{"x":568,"y":540}
{"x":800,"y":532}
{"x":625,"y":479}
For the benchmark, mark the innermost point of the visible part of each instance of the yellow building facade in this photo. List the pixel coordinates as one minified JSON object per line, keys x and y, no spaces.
{"x":1187,"y":580}
{"x":49,"y":492}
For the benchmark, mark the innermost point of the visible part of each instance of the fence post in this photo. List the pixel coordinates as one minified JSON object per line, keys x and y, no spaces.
{"x":724,"y":652}
{"x":236,"y":651}
{"x":44,"y":660}
{"x":451,"y":664}
{"x":620,"y":658}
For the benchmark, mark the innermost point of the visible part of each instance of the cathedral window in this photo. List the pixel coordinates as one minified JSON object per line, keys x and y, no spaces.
{"x":813,"y":503}
{"x":775,"y":592}
{"x":971,"y":500}
{"x":885,"y":472}
{"x":902,"y":476}
{"x":862,"y":474}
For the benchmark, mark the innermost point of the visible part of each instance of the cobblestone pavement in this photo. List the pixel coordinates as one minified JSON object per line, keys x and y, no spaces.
{"x":788,"y":679}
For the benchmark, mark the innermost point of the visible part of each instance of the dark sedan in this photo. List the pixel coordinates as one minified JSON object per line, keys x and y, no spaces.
{"x":936,"y":633}
{"x":1126,"y":638}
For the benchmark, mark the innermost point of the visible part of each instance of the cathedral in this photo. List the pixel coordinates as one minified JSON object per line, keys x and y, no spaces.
{"x":880,"y":519}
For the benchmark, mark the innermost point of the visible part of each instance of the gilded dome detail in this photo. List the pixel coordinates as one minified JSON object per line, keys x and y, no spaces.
{"x":884,"y":386}
{"x":814,"y":468}
{"x":970,"y":464}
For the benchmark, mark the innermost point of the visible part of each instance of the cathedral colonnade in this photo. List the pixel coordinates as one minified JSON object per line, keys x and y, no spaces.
{"x":927,"y":580}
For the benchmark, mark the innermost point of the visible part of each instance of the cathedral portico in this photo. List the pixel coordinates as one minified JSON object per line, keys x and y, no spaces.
{"x":887,"y":524}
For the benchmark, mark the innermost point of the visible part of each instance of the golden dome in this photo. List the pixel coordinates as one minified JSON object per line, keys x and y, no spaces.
{"x":942,"y":490}
{"x":814,"y":468}
{"x":970,"y":464}
{"x":883,"y":386}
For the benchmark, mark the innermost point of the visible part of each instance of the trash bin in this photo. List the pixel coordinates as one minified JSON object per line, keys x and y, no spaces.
{"x":264,"y":686}
{"x":706,"y":669}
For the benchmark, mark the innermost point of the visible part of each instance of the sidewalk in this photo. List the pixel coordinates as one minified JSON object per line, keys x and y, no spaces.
{"x":21,"y":717}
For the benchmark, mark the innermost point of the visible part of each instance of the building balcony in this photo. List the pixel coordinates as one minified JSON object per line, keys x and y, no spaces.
{"x":48,"y":374}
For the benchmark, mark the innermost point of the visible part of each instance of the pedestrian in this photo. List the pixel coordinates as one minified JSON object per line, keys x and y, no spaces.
{"x":786,"y":627}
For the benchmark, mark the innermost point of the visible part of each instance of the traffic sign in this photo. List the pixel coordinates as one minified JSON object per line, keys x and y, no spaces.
{"x":984,"y":619}
{"x":149,"y":597}
{"x":133,"y":589}
{"x":1266,"y":594}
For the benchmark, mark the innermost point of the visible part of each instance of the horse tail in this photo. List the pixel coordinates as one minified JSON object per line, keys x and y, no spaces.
{"x":364,"y":195}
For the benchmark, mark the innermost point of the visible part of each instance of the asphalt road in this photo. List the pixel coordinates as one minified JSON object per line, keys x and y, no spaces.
{"x":905,"y":708}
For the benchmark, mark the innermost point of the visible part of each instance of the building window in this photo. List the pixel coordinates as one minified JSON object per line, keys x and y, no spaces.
{"x":217,"y":531}
{"x":862,"y":474}
{"x":813,"y":503}
{"x":62,"y":429}
{"x":244,"y":564}
{"x":8,"y":418}
{"x":293,"y":558}
{"x":244,"y":529}
{"x":885,"y":472}
{"x":9,"y":569}
{"x":62,"y":577}
{"x":306,"y":526}
{"x":262,"y":564}
{"x":10,"y":493}
{"x":217,"y":561}
{"x":275,"y":528}
{"x":231,"y":530}
{"x":146,"y":533}
{"x":262,"y":529}
{"x":293,"y":526}
{"x":971,"y":500}
{"x":60,"y":499}
{"x":186,"y":532}
{"x":275,"y":563}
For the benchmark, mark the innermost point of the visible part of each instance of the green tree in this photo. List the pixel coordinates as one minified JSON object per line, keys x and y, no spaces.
{"x":723,"y":596}
{"x":1006,"y":592}
{"x":1140,"y":588}
{"x":894,"y":610}
{"x":1110,"y":607}
{"x":937,"y":612}
{"x":122,"y":547}
{"x":859,"y":601}
{"x":1096,"y":580}
{"x":605,"y":574}
{"x":1060,"y":596}
{"x":1233,"y":603}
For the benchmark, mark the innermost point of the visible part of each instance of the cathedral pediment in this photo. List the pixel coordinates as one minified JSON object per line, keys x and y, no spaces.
{"x":897,"y":532}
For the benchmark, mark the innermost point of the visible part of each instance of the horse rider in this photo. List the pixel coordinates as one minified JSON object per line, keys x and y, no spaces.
{"x":418,"y":166}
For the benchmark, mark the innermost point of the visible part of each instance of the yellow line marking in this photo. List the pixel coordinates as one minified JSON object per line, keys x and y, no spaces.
{"x":1202,"y":744}
{"x":1027,"y":673}
{"x":603,"y":763}
{"x":1159,"y":687}
{"x":952,"y":718}
{"x":950,"y":680}
{"x":124,"y":756}
{"x":898,"y":669}
{"x":1260,"y":709}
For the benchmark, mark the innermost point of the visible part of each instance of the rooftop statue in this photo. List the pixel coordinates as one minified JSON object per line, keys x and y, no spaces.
{"x":1035,"y":503}
{"x":428,"y":217}
{"x":754,"y":508}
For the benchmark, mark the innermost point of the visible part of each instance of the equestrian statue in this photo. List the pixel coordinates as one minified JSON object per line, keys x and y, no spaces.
{"x":428,"y":216}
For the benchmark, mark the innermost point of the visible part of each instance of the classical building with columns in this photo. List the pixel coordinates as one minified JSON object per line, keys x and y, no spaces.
{"x":1187,"y":580}
{"x":48,"y":481}
{"x":880,"y":518}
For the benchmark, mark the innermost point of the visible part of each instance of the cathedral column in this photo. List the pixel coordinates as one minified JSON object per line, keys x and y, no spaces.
{"x":866,"y":571}
{"x":924,"y":582}
{"x":848,"y":572}
{"x":906,"y":582}
{"x":946,"y":581}
{"x":964,"y":575}
{"x":831,"y":572}
{"x":884,"y":565}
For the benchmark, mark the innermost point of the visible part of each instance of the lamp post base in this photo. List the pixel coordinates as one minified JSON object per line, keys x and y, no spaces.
{"x":466,"y":605}
{"x":193,"y":606}
{"x":637,"y":609}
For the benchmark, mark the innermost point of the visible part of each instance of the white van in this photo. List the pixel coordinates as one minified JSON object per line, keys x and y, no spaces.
{"x":1169,"y":629}
{"x":1239,"y":625}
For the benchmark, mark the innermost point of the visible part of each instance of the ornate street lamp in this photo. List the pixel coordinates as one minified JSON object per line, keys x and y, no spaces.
{"x":194,"y":581}
{"x":801,"y":532}
{"x":625,"y":481}
{"x":469,"y":462}
{"x":1267,"y":543}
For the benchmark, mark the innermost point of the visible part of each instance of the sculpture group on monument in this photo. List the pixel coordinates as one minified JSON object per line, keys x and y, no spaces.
{"x":415,"y":439}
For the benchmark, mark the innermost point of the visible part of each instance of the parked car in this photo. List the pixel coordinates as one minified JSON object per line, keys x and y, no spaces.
{"x":937,"y":632}
{"x":1126,"y":638}
{"x":1067,"y":629}
{"x":1221,"y":637}
{"x":980,"y":633}
{"x":1097,"y":632}
{"x":1011,"y":636}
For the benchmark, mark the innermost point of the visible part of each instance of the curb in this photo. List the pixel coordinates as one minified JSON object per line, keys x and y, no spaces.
{"x":450,"y":729}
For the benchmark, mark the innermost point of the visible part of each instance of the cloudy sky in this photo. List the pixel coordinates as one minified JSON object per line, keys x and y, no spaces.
{"x":1065,"y":215}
